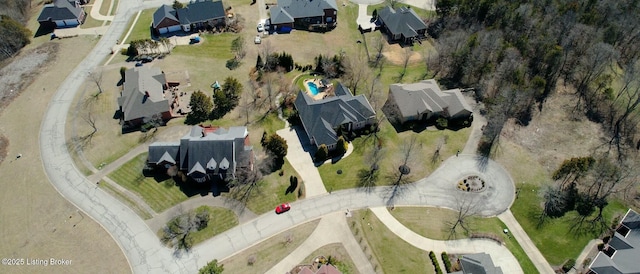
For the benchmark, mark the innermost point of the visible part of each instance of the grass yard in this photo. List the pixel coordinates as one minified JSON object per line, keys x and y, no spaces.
{"x":432,"y":223}
{"x":220,"y":220}
{"x":269,"y":252}
{"x":104,"y":9}
{"x":216,"y":46}
{"x":90,"y":22}
{"x":393,"y":254}
{"x":272,"y":191}
{"x":158,"y":195}
{"x":338,"y":253}
{"x":142,"y":28}
{"x":554,"y":239}
{"x":392,"y":147}
{"x":126,"y":200}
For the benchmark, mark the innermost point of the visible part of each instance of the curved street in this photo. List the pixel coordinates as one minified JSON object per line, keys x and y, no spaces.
{"x":139,"y":242}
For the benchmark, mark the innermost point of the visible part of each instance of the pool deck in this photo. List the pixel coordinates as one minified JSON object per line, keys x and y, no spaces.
{"x":321,"y":94}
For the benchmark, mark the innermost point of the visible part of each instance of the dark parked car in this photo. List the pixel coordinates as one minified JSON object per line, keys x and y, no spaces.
{"x":283,"y":208}
{"x":146,"y":59}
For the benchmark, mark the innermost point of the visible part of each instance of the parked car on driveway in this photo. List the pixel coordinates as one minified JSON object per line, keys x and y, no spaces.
{"x":260,"y":28}
{"x":257,"y":40}
{"x":283,"y":208}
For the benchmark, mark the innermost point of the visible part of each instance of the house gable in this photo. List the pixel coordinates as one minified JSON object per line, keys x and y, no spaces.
{"x":61,"y":10}
{"x":164,"y":16}
{"x":403,"y":21}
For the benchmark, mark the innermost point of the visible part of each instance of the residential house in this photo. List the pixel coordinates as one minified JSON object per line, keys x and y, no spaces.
{"x":323,"y":118}
{"x":402,"y":24}
{"x":205,"y":153}
{"x":323,"y":269}
{"x":480,"y":263}
{"x":304,"y":14}
{"x":424,"y":101}
{"x":195,"y":15}
{"x":621,"y":255}
{"x":143,"y":96}
{"x":61,"y":13}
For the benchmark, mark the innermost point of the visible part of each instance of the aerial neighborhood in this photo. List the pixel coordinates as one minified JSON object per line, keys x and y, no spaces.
{"x":237,"y":136}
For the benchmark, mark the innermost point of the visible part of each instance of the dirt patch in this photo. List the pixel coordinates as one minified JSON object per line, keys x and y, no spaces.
{"x":556,"y":133}
{"x":4,"y":143}
{"x":396,"y":54}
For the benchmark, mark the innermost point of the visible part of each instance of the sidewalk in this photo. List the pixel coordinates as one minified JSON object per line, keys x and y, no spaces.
{"x":333,"y":228}
{"x":500,"y":255}
{"x":525,"y":242}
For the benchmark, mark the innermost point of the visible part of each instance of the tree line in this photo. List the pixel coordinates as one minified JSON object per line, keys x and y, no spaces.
{"x":515,"y":53}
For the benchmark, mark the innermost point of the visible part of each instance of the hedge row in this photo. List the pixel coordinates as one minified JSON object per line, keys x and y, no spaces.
{"x":434,"y":260}
{"x":447,"y":262}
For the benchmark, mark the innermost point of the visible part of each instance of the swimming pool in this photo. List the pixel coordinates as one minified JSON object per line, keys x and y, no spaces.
{"x":313,"y":88}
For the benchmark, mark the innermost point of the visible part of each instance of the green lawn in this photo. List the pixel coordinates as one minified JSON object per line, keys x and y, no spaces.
{"x":432,"y":223}
{"x":216,"y":46}
{"x":104,"y":9}
{"x":125,"y":199}
{"x":159,"y":195}
{"x":142,"y":28}
{"x":220,"y":220}
{"x":393,"y":254}
{"x":392,"y":147}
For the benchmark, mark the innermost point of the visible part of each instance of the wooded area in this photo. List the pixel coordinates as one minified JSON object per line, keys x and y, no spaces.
{"x":514,"y":54}
{"x":13,"y":16}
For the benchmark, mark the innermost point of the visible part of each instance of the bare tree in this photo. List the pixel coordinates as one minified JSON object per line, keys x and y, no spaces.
{"x":266,"y":50}
{"x":356,"y":71}
{"x":96,"y":77}
{"x":399,"y":177}
{"x":623,"y":119}
{"x":247,"y":182}
{"x":367,"y":177}
{"x":406,"y":57}
{"x":466,"y":205}
{"x":378,"y":46}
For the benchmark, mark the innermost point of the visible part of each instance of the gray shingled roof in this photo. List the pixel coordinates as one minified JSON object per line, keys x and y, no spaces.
{"x":60,"y":10}
{"x":163,"y":151}
{"x":426,"y":95}
{"x":135,"y":104}
{"x":201,"y":11}
{"x":214,"y":150}
{"x":163,"y":12}
{"x":300,"y":9}
{"x":321,"y":117}
{"x":627,"y":250}
{"x":403,"y":21}
{"x":480,"y":263}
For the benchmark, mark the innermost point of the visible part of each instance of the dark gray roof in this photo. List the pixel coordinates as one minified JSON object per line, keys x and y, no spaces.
{"x":480,"y":263}
{"x":293,"y":9}
{"x":201,"y":11}
{"x":163,"y":152}
{"x":163,"y":12}
{"x":134,"y":102}
{"x":624,"y":249}
{"x":321,"y":117}
{"x":426,"y":95}
{"x":213,"y":152}
{"x":403,"y":21}
{"x":60,"y":10}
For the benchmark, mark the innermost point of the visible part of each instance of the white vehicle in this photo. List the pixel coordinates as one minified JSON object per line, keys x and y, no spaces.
{"x":257,"y":40}
{"x":260,"y":27}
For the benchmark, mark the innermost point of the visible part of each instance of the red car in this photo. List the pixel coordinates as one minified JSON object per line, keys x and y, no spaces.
{"x":283,"y":208}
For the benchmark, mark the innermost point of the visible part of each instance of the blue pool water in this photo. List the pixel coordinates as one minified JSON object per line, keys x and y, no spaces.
{"x":313,"y":88}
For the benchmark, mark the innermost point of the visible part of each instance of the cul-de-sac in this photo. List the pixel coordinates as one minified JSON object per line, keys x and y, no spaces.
{"x":320,"y":136}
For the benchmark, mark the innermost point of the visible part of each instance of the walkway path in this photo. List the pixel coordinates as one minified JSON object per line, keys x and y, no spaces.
{"x":525,"y":242}
{"x":500,"y":255}
{"x":95,"y":11}
{"x":333,"y":228}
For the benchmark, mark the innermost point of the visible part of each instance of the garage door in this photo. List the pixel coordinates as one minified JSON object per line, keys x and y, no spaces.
{"x":163,"y":30}
{"x":71,"y":22}
{"x":174,"y":28}
{"x":60,"y":23}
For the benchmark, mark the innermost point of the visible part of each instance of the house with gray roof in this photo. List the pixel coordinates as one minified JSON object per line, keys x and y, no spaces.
{"x":402,"y":24}
{"x":144,"y":96}
{"x":323,"y":118}
{"x":205,"y":153}
{"x":61,"y":13}
{"x":480,"y":263}
{"x":197,"y":14}
{"x":425,"y":101}
{"x":621,"y":255}
{"x":304,"y":14}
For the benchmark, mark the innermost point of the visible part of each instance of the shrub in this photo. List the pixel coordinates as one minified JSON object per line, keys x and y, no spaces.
{"x":568,"y":265}
{"x":301,"y":190}
{"x":434,"y":261}
{"x":322,"y":153}
{"x":442,"y":122}
{"x":341,"y":146}
{"x":447,"y":262}
{"x":233,"y":63}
